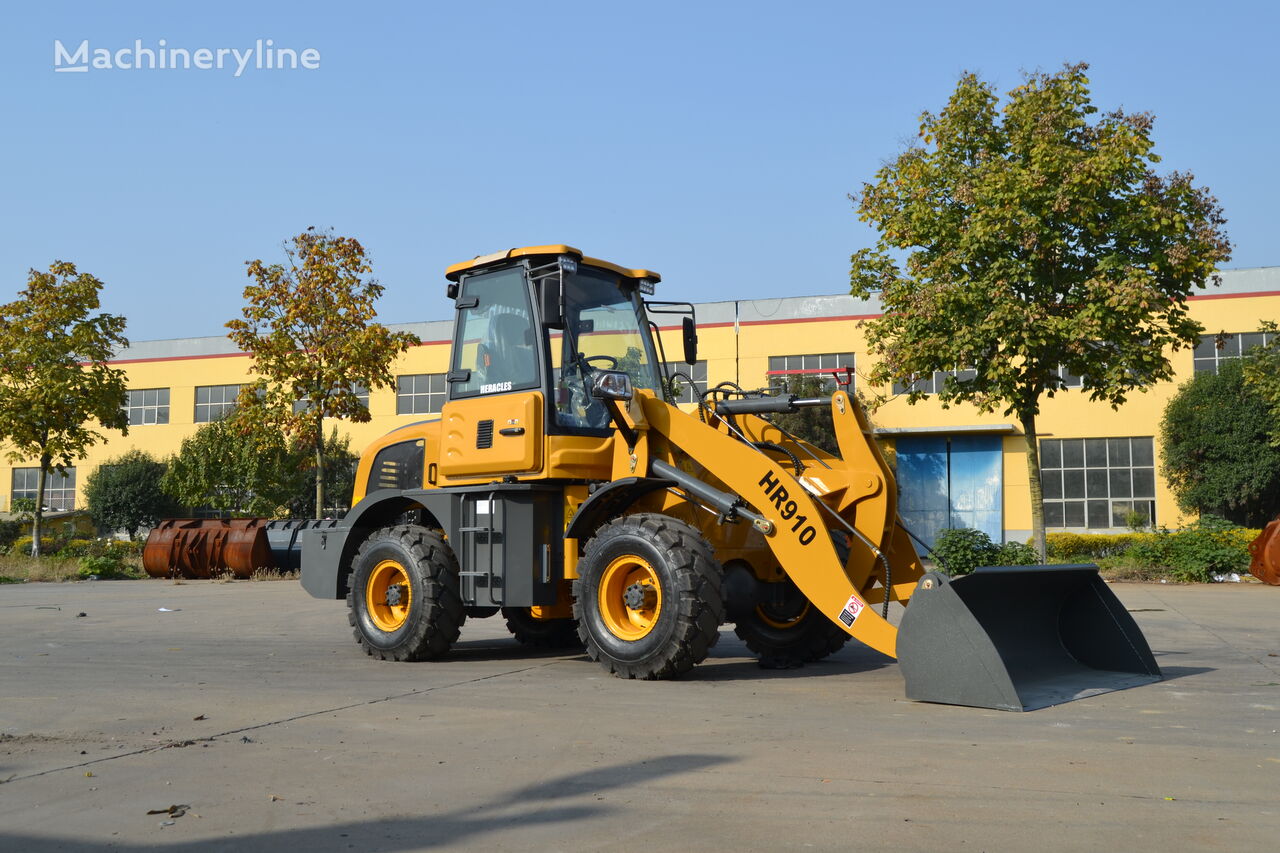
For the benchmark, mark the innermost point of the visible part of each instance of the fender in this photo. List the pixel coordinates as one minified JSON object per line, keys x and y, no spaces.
{"x":609,"y":501}
{"x":327,"y":552}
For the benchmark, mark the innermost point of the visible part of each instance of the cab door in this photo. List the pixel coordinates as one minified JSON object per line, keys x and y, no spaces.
{"x":492,"y":436}
{"x":492,"y":424}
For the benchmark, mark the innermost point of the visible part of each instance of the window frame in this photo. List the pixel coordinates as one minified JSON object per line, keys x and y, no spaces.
{"x":413,"y":395}
{"x":159,"y":410}
{"x":1074,"y":488}
{"x":224,"y":406}
{"x":56,"y":484}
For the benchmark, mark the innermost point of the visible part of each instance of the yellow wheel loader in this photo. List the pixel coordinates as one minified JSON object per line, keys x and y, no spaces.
{"x":562,"y":488}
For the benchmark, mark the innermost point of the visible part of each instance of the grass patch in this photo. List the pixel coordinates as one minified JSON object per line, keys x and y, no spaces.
{"x":17,"y":568}
{"x":274,"y":575}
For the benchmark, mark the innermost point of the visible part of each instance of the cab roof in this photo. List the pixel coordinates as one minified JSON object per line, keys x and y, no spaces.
{"x":455,"y":271}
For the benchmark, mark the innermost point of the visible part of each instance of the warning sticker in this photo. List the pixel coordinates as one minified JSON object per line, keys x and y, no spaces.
{"x":852,"y":608}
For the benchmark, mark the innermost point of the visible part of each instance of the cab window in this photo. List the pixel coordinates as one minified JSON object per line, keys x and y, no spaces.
{"x":495,"y":339}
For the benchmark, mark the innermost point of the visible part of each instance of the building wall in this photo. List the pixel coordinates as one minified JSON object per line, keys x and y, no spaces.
{"x":736,"y":339}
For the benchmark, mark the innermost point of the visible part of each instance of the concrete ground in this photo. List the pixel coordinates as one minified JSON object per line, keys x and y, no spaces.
{"x":251,"y":704}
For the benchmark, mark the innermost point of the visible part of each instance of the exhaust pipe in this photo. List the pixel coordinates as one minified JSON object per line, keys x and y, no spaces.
{"x":1017,"y":638}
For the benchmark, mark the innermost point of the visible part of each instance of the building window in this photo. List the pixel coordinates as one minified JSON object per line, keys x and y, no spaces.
{"x":1208,"y":356}
{"x":148,"y":406}
{"x":215,"y":401}
{"x":687,"y":392}
{"x":829,"y":362}
{"x":1069,"y":379}
{"x":933,"y":384}
{"x":361,"y":392}
{"x":59,"y":489}
{"x":420,"y":394}
{"x":1097,"y":483}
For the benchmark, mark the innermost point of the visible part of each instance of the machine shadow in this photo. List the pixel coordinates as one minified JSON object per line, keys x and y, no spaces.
{"x":540,"y":804}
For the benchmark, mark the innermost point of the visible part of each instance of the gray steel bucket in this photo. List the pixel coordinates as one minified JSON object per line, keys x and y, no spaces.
{"x":1019,"y":638}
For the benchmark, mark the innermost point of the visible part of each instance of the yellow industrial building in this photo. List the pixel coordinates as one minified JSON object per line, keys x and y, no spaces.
{"x":956,"y":467}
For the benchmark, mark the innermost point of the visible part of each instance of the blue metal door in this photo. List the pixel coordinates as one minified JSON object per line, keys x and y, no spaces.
{"x":923,"y":499}
{"x":952,"y":481}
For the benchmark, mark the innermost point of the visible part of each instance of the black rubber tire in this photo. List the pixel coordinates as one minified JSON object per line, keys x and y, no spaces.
{"x":541,"y":633}
{"x":809,"y":638}
{"x":688,"y":620}
{"x":435,"y":614}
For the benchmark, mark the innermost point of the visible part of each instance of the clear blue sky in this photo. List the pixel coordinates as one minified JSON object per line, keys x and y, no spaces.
{"x":713,"y":142}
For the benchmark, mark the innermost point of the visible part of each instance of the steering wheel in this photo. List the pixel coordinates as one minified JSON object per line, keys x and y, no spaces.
{"x":613,"y":362}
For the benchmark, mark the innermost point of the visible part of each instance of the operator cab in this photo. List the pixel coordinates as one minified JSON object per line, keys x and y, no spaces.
{"x":546,"y":318}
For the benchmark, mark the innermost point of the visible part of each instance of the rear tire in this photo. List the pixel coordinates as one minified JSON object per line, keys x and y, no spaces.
{"x":648,"y":600}
{"x":789,"y":631}
{"x":541,"y":633}
{"x":403,"y":598}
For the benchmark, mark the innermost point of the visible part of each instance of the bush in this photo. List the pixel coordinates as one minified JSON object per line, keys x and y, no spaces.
{"x":960,"y":550}
{"x":1016,"y":554}
{"x":106,"y":567}
{"x":77,"y":548}
{"x":10,"y":530}
{"x":1089,"y":547}
{"x":1211,"y":546}
{"x":22,"y":545}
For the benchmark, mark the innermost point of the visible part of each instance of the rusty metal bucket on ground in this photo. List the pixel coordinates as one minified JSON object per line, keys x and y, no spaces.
{"x":1020,"y":638}
{"x":204,"y":547}
{"x":1264,"y":552}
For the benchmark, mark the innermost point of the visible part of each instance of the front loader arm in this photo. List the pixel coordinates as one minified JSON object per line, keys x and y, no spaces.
{"x":856,"y":492}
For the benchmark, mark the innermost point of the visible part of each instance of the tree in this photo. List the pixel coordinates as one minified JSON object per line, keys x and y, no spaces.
{"x":1214,"y":448}
{"x":235,"y":465}
{"x":1036,"y":238}
{"x":125,"y":494}
{"x":309,"y":325}
{"x":54,"y":376}
{"x":812,"y":424}
{"x":1262,"y":375}
{"x":339,"y":476}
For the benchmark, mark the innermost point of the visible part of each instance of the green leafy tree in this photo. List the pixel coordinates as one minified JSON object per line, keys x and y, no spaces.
{"x":1214,"y":448}
{"x":1021,"y":239}
{"x":1262,"y":374}
{"x":236,"y":466}
{"x":309,"y":325}
{"x":339,"y":476}
{"x":812,"y":424}
{"x":125,"y":493}
{"x":55,"y":381}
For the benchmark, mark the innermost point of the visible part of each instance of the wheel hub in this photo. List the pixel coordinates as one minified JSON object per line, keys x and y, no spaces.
{"x":629,"y":597}
{"x":397,"y":594}
{"x":640,"y":596}
{"x":388,"y":596}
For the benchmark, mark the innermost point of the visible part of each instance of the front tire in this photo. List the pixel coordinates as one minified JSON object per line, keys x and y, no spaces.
{"x":648,"y":600}
{"x":403,"y":599}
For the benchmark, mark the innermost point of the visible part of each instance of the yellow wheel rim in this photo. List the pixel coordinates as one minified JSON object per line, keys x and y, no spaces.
{"x":782,"y":623}
{"x":629,"y":581}
{"x":379,"y":596}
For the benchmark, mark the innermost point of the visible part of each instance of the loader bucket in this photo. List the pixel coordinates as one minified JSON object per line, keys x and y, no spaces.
{"x":1019,"y":638}
{"x":1264,"y":552}
{"x":203,"y":547}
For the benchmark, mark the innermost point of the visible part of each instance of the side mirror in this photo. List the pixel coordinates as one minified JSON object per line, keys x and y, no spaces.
{"x":612,"y":385}
{"x":551,"y":302}
{"x":690,"y":334}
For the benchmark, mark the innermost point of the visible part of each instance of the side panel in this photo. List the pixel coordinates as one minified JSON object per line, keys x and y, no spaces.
{"x":510,"y":544}
{"x":493,"y":435}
